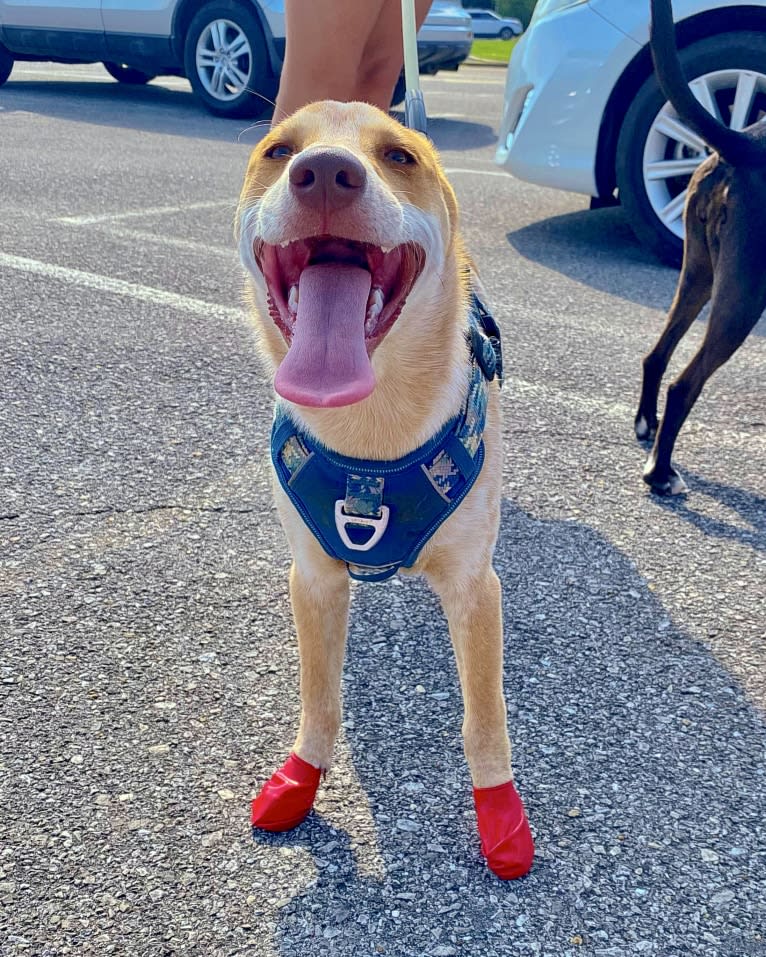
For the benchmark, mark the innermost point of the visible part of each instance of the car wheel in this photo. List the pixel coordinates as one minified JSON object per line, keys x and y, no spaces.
{"x":126,"y":74}
{"x":225,"y":60}
{"x":657,"y":153}
{"x":506,"y":33}
{"x":6,"y":64}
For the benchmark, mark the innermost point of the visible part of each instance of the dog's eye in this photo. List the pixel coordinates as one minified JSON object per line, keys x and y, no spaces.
{"x":400,"y":157}
{"x":280,"y":151}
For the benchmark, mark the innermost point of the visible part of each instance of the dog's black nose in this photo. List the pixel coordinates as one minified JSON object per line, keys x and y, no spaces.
{"x":327,"y":179}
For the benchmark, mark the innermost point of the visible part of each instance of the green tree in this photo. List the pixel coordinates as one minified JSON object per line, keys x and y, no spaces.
{"x":522,"y":9}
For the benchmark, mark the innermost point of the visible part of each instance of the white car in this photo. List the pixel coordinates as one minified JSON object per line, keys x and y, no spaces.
{"x":583,"y":111}
{"x":488,"y":25}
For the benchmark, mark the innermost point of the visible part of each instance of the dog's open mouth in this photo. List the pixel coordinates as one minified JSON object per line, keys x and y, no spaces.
{"x":334,"y":300}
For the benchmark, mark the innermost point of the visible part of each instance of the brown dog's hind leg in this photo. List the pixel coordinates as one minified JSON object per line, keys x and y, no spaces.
{"x":692,"y":292}
{"x":320,"y":599}
{"x":474,"y":612}
{"x":738,"y":301}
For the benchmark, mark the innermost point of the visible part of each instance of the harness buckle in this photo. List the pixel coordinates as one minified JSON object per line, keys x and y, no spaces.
{"x":378,"y":525}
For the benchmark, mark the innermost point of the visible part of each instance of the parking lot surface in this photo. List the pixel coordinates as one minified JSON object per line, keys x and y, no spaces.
{"x":148,"y":664}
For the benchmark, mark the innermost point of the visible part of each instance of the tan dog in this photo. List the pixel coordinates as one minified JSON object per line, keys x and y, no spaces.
{"x":359,"y":286}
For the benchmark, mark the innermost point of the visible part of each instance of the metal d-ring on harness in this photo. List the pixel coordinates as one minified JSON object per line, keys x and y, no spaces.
{"x":374,"y":515}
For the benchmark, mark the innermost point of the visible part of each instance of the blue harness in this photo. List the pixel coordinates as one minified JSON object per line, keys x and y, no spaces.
{"x":376,"y":515}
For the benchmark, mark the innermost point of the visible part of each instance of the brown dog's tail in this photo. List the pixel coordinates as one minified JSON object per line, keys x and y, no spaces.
{"x":735,"y":147}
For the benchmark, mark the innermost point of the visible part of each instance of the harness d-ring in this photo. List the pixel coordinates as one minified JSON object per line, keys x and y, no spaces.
{"x":378,"y":525}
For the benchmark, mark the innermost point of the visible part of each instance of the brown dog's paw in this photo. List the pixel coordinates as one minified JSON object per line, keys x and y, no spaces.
{"x":645,"y":430}
{"x":669,"y":484}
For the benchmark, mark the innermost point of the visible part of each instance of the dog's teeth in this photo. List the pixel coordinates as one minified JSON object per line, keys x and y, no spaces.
{"x":374,"y":305}
{"x":292,"y":299}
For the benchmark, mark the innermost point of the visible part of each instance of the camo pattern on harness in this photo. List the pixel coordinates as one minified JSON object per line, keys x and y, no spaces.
{"x":293,"y":454}
{"x":364,"y":494}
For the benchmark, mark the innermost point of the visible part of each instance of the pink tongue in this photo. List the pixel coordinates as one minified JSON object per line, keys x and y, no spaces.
{"x":327,"y":364}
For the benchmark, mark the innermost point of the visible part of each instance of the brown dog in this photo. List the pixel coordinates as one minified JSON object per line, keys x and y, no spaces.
{"x":725,"y":238}
{"x":359,"y":288}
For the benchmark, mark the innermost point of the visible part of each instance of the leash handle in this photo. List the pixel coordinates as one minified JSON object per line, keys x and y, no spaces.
{"x":414,"y":105}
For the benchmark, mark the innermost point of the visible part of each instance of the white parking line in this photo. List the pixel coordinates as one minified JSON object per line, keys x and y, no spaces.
{"x":19,"y":72}
{"x":573,"y":400}
{"x":174,"y":241}
{"x":452,"y":80}
{"x":451,"y":93}
{"x":120,"y":287}
{"x":619,"y":412}
{"x":135,"y":213}
{"x":451,"y":170}
{"x":95,"y":75}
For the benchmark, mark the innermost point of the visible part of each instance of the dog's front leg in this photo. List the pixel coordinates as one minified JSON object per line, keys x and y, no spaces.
{"x":319,"y":592}
{"x":474,"y":612}
{"x":320,"y":601}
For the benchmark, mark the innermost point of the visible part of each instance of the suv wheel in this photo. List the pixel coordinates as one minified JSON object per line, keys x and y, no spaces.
{"x":657,"y":153}
{"x":225,"y":59}
{"x":126,"y":74}
{"x":6,"y":64}
{"x":506,"y":33}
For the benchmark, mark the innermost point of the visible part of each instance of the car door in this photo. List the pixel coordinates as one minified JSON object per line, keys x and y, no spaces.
{"x":484,"y":24}
{"x":493,"y":25}
{"x":138,"y":32}
{"x":53,"y":28}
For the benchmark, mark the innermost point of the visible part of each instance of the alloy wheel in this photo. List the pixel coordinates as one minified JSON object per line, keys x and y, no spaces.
{"x":224,"y":60}
{"x":673,"y":151}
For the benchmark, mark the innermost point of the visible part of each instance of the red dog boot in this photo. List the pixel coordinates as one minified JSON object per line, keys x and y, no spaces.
{"x":286,"y":798}
{"x":506,"y":841}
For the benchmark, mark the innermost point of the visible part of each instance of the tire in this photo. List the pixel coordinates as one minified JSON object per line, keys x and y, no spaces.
{"x":228,"y":87}
{"x":6,"y":64}
{"x":506,"y":33}
{"x":720,"y":68}
{"x":126,"y":74}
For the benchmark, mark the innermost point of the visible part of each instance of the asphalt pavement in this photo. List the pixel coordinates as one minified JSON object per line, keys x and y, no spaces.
{"x":148,"y":667}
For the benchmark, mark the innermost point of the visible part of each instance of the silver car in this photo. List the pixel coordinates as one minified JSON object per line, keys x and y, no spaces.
{"x":489,"y":26}
{"x":230,"y":50}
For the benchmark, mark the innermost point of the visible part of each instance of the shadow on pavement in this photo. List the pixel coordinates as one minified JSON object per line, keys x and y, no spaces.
{"x":748,"y":507}
{"x":456,"y":134}
{"x":614,"y":261}
{"x":151,"y":109}
{"x":645,"y":824}
{"x":157,"y":109}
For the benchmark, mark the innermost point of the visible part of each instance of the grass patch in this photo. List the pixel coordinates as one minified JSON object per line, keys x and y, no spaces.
{"x":498,"y":50}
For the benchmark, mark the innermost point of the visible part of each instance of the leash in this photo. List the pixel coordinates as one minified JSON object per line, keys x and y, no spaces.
{"x":414,"y":105}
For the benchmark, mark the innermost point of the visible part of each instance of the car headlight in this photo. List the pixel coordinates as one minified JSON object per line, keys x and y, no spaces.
{"x":545,"y":8}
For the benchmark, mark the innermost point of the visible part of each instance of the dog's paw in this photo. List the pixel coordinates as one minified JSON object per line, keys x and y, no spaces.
{"x":670,"y":483}
{"x":645,"y":430}
{"x":506,"y":841}
{"x":287,"y":797}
